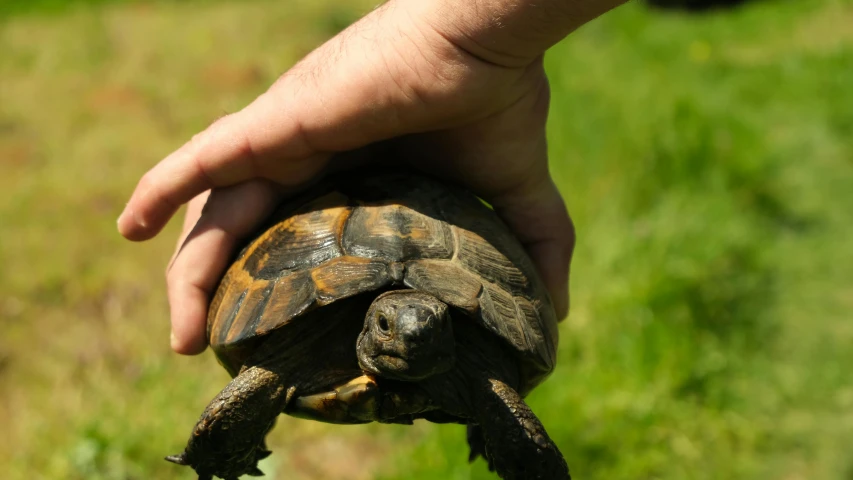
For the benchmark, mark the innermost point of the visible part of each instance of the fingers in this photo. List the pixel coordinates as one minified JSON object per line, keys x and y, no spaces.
{"x":315,"y":108}
{"x":374,"y":81}
{"x":191,"y":216}
{"x":229,"y":215}
{"x":538,"y":216}
{"x":234,"y":149}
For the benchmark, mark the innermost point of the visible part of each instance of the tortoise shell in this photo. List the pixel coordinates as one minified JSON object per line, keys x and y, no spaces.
{"x":378,"y":232}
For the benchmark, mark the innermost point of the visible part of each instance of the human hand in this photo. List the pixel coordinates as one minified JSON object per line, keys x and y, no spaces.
{"x":447,"y":91}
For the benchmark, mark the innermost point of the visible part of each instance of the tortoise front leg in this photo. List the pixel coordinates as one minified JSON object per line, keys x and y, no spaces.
{"x":516,"y":442}
{"x":228,"y":440}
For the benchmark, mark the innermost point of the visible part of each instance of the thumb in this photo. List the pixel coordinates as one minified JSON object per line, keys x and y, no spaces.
{"x":538,"y":216}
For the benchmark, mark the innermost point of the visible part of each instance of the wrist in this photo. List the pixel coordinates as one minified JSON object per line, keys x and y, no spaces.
{"x":510,"y":33}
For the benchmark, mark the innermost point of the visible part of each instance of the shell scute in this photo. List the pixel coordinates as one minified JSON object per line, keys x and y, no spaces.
{"x":250,"y":311}
{"x":294,"y":294}
{"x":228,"y":315}
{"x":538,"y":336}
{"x":396,"y":233}
{"x":346,"y":276}
{"x":304,"y":240}
{"x":498,"y":313}
{"x":446,"y":280}
{"x":482,"y":258}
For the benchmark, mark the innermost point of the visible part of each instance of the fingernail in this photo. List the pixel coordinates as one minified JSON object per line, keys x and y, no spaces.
{"x":137,"y":219}
{"x":131,"y":215}
{"x":173,"y":340}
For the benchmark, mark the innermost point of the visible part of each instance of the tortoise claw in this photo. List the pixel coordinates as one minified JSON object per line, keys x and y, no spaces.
{"x":180,"y":459}
{"x":477,"y":445}
{"x":262,"y":453}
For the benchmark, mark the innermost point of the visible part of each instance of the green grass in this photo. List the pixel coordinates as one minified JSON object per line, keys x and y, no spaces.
{"x":707,"y":161}
{"x":15,"y":8}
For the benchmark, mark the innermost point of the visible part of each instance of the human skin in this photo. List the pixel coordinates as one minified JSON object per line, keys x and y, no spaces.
{"x":455,"y":88}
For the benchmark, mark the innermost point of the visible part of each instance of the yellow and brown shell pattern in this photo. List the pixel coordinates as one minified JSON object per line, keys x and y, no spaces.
{"x":370,"y":233}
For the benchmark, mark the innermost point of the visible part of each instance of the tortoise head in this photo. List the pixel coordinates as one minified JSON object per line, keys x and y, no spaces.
{"x":407,"y":336}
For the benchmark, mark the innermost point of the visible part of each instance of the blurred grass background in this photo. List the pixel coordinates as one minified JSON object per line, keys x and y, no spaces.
{"x":707,"y":161}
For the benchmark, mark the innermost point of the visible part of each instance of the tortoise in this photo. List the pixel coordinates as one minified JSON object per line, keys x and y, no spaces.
{"x":384,"y":297}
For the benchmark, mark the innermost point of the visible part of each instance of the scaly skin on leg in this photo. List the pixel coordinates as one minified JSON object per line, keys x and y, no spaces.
{"x":228,"y":439}
{"x":516,"y":442}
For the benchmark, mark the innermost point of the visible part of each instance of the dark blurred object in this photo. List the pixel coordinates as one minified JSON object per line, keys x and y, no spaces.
{"x":695,"y":6}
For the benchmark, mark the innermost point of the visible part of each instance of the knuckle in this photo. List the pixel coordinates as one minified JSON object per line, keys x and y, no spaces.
{"x":147,"y":181}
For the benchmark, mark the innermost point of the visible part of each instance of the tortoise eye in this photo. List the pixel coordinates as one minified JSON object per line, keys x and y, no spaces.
{"x":383,"y":323}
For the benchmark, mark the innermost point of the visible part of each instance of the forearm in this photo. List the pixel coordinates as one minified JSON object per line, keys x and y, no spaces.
{"x":507,"y":32}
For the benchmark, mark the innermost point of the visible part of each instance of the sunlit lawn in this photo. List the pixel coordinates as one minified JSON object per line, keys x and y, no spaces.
{"x":708,"y":163}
